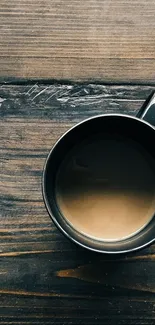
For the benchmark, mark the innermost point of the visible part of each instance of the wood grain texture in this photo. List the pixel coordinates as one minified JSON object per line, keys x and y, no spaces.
{"x":44,"y":278}
{"x":79,"y":40}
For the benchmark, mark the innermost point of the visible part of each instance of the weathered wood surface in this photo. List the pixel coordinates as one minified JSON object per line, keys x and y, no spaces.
{"x":44,"y":278}
{"x":108,"y":40}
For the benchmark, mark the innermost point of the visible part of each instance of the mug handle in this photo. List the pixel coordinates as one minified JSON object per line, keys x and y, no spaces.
{"x":147,"y":111}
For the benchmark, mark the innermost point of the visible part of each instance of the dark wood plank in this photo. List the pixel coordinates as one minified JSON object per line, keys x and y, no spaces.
{"x":46,"y":279}
{"x":78,"y":40}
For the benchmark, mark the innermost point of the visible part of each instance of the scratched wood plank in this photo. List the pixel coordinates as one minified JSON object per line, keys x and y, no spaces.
{"x":44,"y":278}
{"x":78,"y":40}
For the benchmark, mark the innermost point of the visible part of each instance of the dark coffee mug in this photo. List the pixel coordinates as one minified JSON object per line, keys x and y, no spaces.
{"x":140,"y":129}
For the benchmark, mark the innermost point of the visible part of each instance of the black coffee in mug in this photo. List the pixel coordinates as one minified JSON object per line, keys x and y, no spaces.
{"x":105,"y":187}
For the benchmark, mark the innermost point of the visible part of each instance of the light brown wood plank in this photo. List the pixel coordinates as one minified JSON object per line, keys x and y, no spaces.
{"x":78,"y":40}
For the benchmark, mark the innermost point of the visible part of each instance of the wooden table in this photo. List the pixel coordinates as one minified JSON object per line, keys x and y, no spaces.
{"x":44,"y":278}
{"x":104,"y":40}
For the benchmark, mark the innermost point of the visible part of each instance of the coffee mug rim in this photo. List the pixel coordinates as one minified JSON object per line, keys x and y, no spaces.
{"x":45,"y":194}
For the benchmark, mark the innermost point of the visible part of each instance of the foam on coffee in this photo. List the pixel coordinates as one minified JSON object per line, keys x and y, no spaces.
{"x":106,"y":187}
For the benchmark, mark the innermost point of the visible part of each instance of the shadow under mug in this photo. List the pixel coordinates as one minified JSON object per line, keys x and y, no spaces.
{"x":140,"y":129}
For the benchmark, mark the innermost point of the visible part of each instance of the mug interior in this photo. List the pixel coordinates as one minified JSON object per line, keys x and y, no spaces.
{"x":125,"y":126}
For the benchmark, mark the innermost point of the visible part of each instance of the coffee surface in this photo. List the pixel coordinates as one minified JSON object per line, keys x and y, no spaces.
{"x":106,"y":187}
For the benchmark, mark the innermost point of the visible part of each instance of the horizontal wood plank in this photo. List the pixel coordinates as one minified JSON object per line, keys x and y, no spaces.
{"x":78,"y":40}
{"x":46,"y":279}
